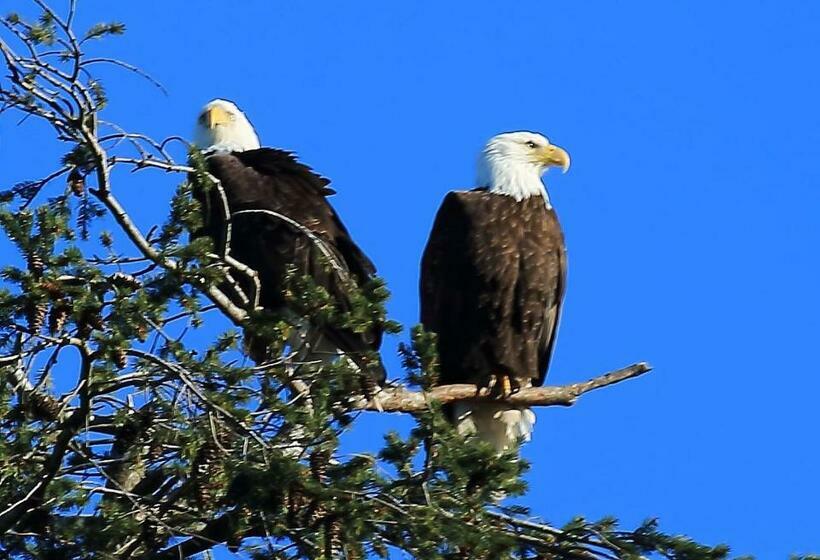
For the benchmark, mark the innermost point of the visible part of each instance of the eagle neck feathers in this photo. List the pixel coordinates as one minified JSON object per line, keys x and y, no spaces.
{"x":512,"y":179}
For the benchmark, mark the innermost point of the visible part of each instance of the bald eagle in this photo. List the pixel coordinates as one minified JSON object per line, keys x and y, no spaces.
{"x":492,"y":281}
{"x":281,"y":220}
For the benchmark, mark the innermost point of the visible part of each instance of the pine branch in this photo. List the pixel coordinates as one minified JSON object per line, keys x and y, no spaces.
{"x":67,"y":429}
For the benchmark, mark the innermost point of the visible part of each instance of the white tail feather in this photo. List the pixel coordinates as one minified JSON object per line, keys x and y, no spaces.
{"x":498,"y":424}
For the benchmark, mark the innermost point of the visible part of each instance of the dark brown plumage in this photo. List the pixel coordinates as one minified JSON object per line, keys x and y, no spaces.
{"x":492,"y":281}
{"x":270,"y":179}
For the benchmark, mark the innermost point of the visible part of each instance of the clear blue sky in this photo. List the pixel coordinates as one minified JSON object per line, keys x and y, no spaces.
{"x":690,"y":211}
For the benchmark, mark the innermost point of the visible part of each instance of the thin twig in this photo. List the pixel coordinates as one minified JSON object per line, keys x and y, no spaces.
{"x":129,"y":67}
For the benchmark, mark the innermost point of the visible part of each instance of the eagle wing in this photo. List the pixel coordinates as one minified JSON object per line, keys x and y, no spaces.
{"x":270,"y":179}
{"x":449,"y":289}
{"x":280,"y":167}
{"x":445,"y":252}
{"x":552,"y":318}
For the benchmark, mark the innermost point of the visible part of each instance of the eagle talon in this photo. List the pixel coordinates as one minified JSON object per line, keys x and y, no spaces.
{"x":486,"y":384}
{"x":501,"y":386}
{"x":506,"y":385}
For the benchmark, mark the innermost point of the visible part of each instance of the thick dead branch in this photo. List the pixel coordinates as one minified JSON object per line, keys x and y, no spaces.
{"x":400,"y":399}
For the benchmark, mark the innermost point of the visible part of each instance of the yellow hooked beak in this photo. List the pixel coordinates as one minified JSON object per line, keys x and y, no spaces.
{"x":216,"y":116}
{"x":554,"y":156}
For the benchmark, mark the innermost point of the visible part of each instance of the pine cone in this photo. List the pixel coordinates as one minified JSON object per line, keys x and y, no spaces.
{"x":96,"y":321}
{"x":55,"y":291}
{"x":36,"y":315}
{"x":76,"y":182}
{"x":301,"y":510}
{"x":42,"y":407}
{"x":35,"y":264}
{"x":333,"y":538}
{"x":120,"y":358}
{"x":58,"y":316}
{"x":137,"y":426}
{"x":319,"y":460}
{"x":142,"y":332}
{"x":154,"y":450}
{"x":206,"y":471}
{"x":89,"y":320}
{"x":122,"y":279}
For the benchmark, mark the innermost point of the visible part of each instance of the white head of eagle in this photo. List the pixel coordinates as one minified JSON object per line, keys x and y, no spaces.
{"x":512,"y":164}
{"x":222,"y":127}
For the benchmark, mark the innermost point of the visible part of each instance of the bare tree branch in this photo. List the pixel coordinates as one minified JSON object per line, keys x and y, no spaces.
{"x":399,"y":399}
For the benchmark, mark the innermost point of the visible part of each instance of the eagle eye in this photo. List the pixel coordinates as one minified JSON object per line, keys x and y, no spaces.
{"x":202,"y":118}
{"x":530,"y":144}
